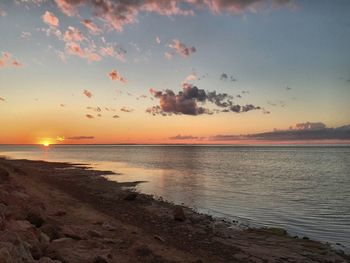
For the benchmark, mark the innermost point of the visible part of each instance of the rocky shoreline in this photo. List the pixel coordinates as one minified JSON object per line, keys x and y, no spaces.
{"x":59,"y":212}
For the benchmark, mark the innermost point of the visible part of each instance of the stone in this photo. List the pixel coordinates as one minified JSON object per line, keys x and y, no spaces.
{"x":94,"y":233}
{"x":35,"y":217}
{"x":60,"y":213}
{"x":100,"y":259}
{"x":159,"y":238}
{"x":108,"y":226}
{"x":131,"y":196}
{"x":53,"y":232}
{"x":5,"y":256}
{"x":179,"y":214}
{"x":71,"y":232}
{"x":48,"y":260}
{"x":4,"y":175}
{"x":276,"y":231}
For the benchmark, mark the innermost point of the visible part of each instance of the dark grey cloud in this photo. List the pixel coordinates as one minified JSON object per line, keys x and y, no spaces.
{"x":300,"y":132}
{"x":225,"y":76}
{"x":80,"y":137}
{"x":185,"y":137}
{"x":194,"y":101}
{"x":97,"y":109}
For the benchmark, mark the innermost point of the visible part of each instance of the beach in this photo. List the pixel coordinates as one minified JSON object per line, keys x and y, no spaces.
{"x":59,"y":212}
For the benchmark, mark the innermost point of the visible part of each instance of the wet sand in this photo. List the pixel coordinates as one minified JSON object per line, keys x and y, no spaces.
{"x":59,"y":212}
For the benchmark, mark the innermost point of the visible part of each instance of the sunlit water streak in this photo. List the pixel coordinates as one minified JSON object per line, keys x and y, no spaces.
{"x":303,"y":189}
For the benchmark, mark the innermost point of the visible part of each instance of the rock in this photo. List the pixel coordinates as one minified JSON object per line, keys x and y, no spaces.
{"x":35,"y":217}
{"x":159,"y":238}
{"x":53,"y":232}
{"x":48,"y":260}
{"x":44,"y":239}
{"x":100,"y":259}
{"x":276,"y":231}
{"x":5,"y":256}
{"x":4,"y":175}
{"x":71,"y":232}
{"x":179,"y":214}
{"x":143,"y":251}
{"x":131,"y":196}
{"x":36,"y":251}
{"x":61,"y":240}
{"x":60,"y":213}
{"x":108,"y":226}
{"x":94,"y":233}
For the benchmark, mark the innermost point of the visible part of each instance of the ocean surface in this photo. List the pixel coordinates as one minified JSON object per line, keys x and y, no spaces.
{"x":304,"y":189}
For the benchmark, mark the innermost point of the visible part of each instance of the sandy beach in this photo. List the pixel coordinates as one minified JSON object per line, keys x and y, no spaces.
{"x":59,"y":212}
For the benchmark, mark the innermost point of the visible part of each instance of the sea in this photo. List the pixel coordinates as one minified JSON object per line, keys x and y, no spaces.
{"x":304,"y":189}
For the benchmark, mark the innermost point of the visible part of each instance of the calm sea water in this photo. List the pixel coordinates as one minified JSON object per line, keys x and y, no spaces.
{"x":305,"y":189}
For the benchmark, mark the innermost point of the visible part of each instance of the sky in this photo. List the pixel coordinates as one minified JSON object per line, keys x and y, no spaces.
{"x":175,"y":71}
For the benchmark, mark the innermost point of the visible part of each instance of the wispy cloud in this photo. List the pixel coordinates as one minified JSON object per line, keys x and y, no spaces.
{"x":7,"y":60}
{"x":87,"y":93}
{"x":80,"y":137}
{"x":180,"y":137}
{"x":126,"y":109}
{"x":181,"y":48}
{"x":93,"y":29}
{"x":115,"y":75}
{"x":89,"y":116}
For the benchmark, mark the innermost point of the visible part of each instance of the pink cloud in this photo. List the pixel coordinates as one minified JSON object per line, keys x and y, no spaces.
{"x":93,"y":29}
{"x":158,"y":40}
{"x":75,"y":49}
{"x":50,"y":19}
{"x":117,"y":14}
{"x":109,"y":51}
{"x":168,"y":55}
{"x":87,"y":93}
{"x":6,"y":60}
{"x":73,"y":34}
{"x":68,"y":7}
{"x":114,"y":75}
{"x":181,"y":48}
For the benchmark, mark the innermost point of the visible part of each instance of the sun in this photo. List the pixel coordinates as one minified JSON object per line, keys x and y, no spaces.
{"x":46,"y":142}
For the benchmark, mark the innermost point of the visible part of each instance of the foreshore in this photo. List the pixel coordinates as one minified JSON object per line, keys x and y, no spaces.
{"x":59,"y":212}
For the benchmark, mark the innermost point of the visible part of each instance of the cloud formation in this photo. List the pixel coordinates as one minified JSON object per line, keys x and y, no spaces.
{"x":126,"y":109}
{"x":89,"y":116}
{"x":181,"y":48}
{"x":50,"y":19}
{"x":191,"y":101}
{"x":87,"y":93}
{"x":93,"y":29}
{"x":73,"y":34}
{"x":7,"y":60}
{"x":307,"y":131}
{"x":180,"y":137}
{"x":2,"y":99}
{"x":116,"y":14}
{"x":114,"y":75}
{"x":80,"y":138}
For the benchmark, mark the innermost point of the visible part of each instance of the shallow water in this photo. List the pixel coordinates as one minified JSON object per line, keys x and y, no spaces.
{"x":305,"y":189}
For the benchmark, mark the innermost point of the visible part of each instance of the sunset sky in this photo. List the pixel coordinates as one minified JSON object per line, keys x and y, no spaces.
{"x":177,"y":71}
